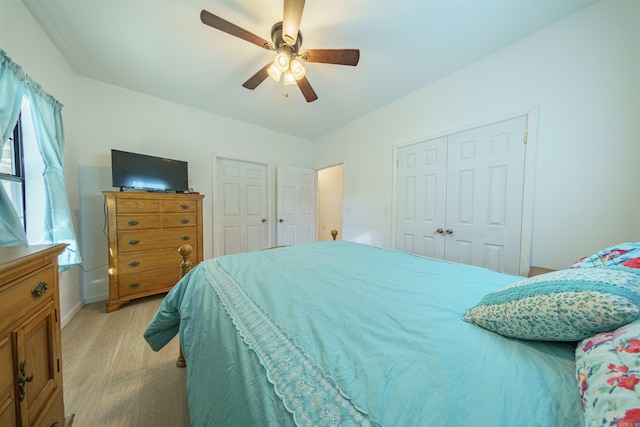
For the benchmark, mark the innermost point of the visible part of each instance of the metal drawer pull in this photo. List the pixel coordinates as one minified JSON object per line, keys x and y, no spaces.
{"x":134,"y":264}
{"x":54,"y":424}
{"x":39,"y":289}
{"x":185,"y":237}
{"x":134,"y":285}
{"x":185,"y":221}
{"x":184,"y":206}
{"x":22,"y":380}
{"x":133,"y":223}
{"x":133,"y":242}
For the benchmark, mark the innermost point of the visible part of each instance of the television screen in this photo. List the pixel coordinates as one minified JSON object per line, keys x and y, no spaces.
{"x":132,"y":170}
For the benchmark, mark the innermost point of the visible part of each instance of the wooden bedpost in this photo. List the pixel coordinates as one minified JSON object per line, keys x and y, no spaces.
{"x":185,"y":267}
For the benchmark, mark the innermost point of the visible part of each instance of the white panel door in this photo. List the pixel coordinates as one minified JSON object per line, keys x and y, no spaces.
{"x":421,"y":186}
{"x":241,"y":207}
{"x":296,"y":203}
{"x":460,"y":197}
{"x":485,"y":179}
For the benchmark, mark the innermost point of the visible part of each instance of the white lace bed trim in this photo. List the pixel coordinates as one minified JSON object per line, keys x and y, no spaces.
{"x":307,"y":392}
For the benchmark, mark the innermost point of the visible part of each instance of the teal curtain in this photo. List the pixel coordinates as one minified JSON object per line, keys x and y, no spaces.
{"x":12,"y":87}
{"x":47,"y":120}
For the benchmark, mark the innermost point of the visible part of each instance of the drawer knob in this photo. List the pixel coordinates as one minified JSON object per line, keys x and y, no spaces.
{"x":134,"y":264}
{"x":39,"y":289}
{"x":185,"y":221}
{"x":133,"y":242}
{"x":184,"y":206}
{"x":134,"y":285}
{"x":133,"y":223}
{"x":185,"y":238}
{"x":22,"y":380}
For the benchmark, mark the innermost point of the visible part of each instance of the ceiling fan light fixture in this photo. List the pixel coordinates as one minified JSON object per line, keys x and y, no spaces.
{"x":282,"y":60}
{"x":297,"y":69}
{"x":274,"y":72}
{"x":289,"y":78}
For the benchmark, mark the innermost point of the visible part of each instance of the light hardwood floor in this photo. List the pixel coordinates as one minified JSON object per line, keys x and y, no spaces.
{"x":111,"y":375}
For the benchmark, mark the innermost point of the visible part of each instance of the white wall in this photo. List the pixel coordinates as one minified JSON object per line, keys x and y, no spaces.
{"x":584,"y":74}
{"x":113,"y":117}
{"x":29,"y":47}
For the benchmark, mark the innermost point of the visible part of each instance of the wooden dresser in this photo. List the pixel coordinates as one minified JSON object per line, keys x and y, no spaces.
{"x":145,"y":232}
{"x":30,"y":340}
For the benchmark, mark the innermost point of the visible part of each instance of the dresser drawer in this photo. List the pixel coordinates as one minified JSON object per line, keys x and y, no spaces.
{"x":140,"y":262}
{"x":22,"y":296}
{"x":138,"y":241}
{"x":138,"y":222}
{"x":132,"y":284}
{"x":188,"y":205}
{"x":55,"y":414}
{"x":172,"y":220}
{"x":128,"y":206}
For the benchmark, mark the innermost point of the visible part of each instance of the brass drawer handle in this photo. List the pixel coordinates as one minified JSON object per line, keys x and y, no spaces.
{"x":133,"y":242}
{"x":134,"y":264}
{"x":134,"y":285}
{"x":54,"y":424}
{"x":185,"y":221}
{"x":184,"y":206}
{"x":133,"y":223}
{"x":40,"y":289}
{"x":22,"y":380}
{"x":185,"y":237}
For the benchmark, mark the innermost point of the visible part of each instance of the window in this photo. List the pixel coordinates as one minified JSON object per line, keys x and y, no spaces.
{"x":21,"y":171}
{"x":12,"y":171}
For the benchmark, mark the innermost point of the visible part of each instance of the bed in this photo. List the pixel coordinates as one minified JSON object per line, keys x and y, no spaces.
{"x":338,"y":333}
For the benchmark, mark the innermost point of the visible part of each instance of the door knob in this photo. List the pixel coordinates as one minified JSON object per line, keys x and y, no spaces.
{"x":439,"y":230}
{"x":448,"y":231}
{"x":281,"y":220}
{"x":263,"y":220}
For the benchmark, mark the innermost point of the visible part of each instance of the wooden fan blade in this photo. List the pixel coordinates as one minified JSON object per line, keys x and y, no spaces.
{"x":291,"y":20}
{"x":307,"y":90}
{"x":257,"y":78}
{"x":218,"y":23}
{"x":332,"y":56}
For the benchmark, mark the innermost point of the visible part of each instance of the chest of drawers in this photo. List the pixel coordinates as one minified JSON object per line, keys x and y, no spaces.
{"x":145,"y":231}
{"x":30,"y":342}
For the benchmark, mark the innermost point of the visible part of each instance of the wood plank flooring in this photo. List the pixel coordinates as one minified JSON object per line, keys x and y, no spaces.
{"x":113,"y":378}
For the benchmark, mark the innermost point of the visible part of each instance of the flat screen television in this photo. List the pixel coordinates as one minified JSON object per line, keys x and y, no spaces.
{"x":132,"y":170}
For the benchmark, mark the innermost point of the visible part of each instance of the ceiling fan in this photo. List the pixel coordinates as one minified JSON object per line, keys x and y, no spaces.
{"x":286,"y":41}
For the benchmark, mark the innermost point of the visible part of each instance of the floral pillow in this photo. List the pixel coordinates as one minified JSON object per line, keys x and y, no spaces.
{"x":622,"y":255}
{"x":608,"y":373}
{"x":565,"y":305}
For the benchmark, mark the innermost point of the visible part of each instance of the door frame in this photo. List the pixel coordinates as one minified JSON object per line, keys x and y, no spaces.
{"x":271,"y":214}
{"x":528,"y":196}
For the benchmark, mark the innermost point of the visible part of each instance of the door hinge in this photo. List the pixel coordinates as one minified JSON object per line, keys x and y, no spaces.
{"x":524,"y":138}
{"x":58,"y":365}
{"x":55,"y":312}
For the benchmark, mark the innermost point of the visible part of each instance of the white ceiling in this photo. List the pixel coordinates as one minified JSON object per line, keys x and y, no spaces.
{"x":160,"y":48}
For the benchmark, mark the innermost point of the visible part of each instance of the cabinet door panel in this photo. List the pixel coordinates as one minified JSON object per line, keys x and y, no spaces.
{"x":37,"y":363}
{"x":7,"y":400}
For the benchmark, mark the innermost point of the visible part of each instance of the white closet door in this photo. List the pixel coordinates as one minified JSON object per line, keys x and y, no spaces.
{"x":460,"y":197}
{"x":485,"y":177}
{"x":421,"y":188}
{"x":296,"y":203}
{"x":241,"y":207}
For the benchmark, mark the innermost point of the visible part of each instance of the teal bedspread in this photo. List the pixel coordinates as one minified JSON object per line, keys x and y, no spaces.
{"x":337,"y":333}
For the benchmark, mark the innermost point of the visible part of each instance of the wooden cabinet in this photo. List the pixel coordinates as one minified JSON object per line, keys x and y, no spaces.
{"x":30,"y":342}
{"x":145,"y":232}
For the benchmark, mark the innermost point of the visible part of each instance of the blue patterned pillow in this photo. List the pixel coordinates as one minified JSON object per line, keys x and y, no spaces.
{"x":565,"y":305}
